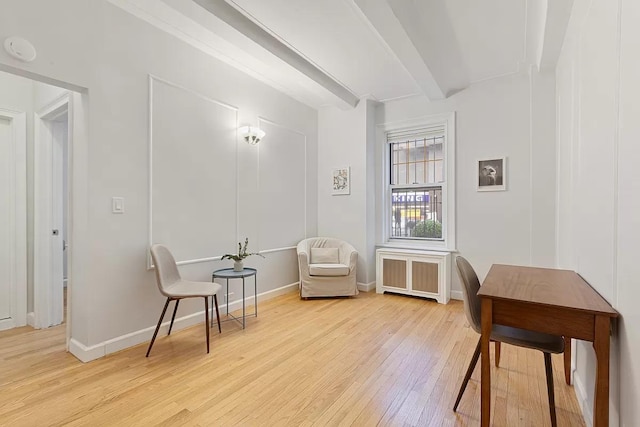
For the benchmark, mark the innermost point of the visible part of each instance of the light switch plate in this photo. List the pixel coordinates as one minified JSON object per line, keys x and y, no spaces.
{"x":117,"y":205}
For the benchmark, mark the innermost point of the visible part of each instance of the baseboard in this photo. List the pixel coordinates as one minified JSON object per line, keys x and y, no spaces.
{"x":31,"y":319}
{"x":7,"y":324}
{"x":87,"y":354}
{"x":583,"y":400}
{"x":367,"y":287}
{"x":84,"y":353}
{"x":457,"y":295}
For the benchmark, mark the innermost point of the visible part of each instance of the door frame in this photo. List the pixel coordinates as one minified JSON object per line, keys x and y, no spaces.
{"x":18,"y":220}
{"x":43,"y":286}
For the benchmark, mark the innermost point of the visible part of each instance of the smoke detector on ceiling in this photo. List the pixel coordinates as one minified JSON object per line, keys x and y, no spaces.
{"x":20,"y":49}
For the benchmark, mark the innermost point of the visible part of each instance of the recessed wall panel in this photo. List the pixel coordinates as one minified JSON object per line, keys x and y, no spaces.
{"x":193,"y":178}
{"x":282,"y":187}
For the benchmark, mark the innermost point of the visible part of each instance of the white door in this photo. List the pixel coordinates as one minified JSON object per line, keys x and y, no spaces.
{"x":6,"y":238}
{"x":50,"y":158}
{"x":59,"y":132}
{"x":13,"y":238}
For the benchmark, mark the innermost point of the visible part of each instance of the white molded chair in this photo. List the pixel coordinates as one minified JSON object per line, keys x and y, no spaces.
{"x":173,"y":287}
{"x":327,"y":268}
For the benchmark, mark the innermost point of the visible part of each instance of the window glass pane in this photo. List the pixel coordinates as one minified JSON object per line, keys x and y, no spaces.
{"x":416,"y":213}
{"x":402,"y":174}
{"x":418,"y":161}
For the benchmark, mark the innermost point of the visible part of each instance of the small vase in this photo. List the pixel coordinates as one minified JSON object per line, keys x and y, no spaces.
{"x":238,"y":266}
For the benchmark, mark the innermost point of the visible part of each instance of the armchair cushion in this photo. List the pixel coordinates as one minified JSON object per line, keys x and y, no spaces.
{"x":328,"y":270}
{"x":324,"y":256}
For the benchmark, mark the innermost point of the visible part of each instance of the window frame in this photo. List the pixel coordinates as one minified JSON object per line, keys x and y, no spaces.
{"x":448,"y":240}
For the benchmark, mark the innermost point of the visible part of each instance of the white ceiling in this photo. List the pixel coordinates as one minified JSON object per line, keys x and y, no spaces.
{"x":334,"y":52}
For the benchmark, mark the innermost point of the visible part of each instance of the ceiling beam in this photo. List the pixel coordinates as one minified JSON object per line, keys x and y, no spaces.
{"x":555,"y":28}
{"x":266,"y":40}
{"x":421,"y":36}
{"x":383,"y":21}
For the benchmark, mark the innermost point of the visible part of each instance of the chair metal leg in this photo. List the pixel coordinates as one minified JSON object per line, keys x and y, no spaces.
{"x":164,"y":310}
{"x":497,"y":352}
{"x":206,"y":323}
{"x":175,"y":309}
{"x":567,"y":360}
{"x":552,"y":403}
{"x":467,"y":376}
{"x":215,"y":300}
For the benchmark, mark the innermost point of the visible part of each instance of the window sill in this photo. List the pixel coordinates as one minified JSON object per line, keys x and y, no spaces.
{"x":415,"y":245}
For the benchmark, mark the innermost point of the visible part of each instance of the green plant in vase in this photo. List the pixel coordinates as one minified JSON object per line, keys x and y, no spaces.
{"x":241,"y":255}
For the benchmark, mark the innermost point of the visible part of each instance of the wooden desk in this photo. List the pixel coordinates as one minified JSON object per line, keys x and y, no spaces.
{"x":557,"y":302}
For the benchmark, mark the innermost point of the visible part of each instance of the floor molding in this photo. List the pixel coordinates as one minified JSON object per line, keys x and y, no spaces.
{"x":583,"y":401}
{"x":457,"y":295}
{"x":367,"y":287}
{"x":89,"y":353}
{"x":31,"y":319}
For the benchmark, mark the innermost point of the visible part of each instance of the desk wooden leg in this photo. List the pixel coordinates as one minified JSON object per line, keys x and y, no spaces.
{"x":601,"y":346}
{"x":485,"y":379}
{"x":567,"y":360}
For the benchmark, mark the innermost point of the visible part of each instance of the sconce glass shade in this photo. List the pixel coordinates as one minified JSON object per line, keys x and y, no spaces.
{"x":251,"y":134}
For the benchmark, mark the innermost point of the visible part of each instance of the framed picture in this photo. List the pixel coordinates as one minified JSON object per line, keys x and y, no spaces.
{"x":492,"y":174}
{"x":341,"y":181}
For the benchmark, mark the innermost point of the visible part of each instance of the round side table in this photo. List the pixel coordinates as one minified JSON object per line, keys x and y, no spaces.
{"x":229,"y":273}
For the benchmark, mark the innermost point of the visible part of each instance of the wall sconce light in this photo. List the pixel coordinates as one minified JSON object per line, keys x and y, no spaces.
{"x":251,"y":134}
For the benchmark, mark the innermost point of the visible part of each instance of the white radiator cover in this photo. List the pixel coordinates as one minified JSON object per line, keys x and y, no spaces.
{"x":414,"y":272}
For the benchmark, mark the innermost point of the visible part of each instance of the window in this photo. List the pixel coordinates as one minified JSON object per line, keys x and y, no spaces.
{"x":419,"y":177}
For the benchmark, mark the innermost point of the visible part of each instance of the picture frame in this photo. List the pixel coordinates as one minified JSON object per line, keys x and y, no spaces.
{"x":341,"y":181}
{"x":491,"y":174}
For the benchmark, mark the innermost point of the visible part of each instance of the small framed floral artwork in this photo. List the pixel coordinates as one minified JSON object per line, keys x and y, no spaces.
{"x":341,"y":181}
{"x":492,"y":174}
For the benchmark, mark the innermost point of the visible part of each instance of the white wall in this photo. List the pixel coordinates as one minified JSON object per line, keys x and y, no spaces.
{"x":599,"y":180}
{"x":347,"y":138}
{"x":113,"y":294}
{"x":500,"y":117}
{"x":16,"y":93}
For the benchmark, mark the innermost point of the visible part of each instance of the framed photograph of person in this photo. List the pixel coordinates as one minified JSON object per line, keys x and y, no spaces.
{"x":492,"y":174}
{"x":341,"y":181}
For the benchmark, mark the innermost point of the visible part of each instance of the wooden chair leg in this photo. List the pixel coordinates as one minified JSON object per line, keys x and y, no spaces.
{"x":497,"y":352}
{"x":467,"y":376}
{"x":164,"y":310}
{"x":567,"y":360}
{"x":215,"y":300}
{"x":206,"y":316}
{"x":552,"y":402}
{"x":175,"y":309}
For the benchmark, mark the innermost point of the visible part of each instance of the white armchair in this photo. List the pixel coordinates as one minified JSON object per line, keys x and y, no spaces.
{"x":327,"y":268}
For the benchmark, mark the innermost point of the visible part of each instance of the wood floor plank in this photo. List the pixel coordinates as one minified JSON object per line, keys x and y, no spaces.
{"x":373,"y":359}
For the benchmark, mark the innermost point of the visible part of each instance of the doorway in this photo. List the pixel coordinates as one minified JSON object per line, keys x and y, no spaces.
{"x":51,"y":208}
{"x":13,"y":236}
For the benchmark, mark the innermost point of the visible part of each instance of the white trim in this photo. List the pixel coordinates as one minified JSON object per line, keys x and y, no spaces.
{"x":151,"y":79}
{"x":89,"y":353}
{"x":18,"y":219}
{"x":288,"y":248}
{"x":583,"y":400}
{"x":448,"y":120}
{"x":219,"y":257}
{"x":43,"y":194}
{"x":367,"y":287}
{"x":457,"y":295}
{"x":31,"y":319}
{"x":7,"y":324}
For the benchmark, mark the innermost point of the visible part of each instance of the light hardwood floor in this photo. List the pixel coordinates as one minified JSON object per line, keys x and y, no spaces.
{"x":368,"y":360}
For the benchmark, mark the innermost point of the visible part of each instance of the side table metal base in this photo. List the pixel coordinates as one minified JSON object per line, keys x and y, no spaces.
{"x":229,"y":273}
